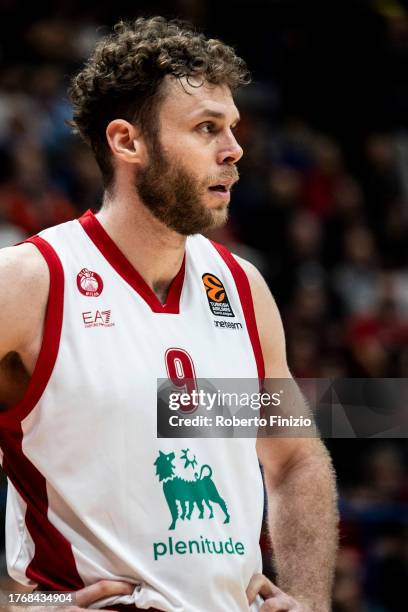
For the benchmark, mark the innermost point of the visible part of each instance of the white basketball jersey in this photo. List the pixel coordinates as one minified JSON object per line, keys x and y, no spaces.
{"x":93,"y":492}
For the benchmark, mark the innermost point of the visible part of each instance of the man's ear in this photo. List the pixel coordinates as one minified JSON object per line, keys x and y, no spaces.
{"x":125,"y":141}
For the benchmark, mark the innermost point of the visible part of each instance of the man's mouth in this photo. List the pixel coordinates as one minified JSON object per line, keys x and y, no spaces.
{"x":222,"y":188}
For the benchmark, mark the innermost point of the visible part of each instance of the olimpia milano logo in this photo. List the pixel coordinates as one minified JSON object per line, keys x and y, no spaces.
{"x":185,"y":499}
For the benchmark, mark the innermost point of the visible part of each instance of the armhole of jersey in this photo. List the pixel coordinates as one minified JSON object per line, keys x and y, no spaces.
{"x":50,"y":342}
{"x":247,"y":303}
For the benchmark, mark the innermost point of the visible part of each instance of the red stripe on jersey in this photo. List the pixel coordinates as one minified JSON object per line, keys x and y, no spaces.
{"x":245,"y":296}
{"x":53,"y":564}
{"x":125,"y":269}
{"x":44,"y":366}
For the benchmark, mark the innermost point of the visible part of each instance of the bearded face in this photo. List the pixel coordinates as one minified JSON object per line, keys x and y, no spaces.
{"x":177,"y":197}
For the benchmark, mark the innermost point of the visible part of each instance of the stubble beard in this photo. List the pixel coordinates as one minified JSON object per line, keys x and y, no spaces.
{"x":175,"y":196}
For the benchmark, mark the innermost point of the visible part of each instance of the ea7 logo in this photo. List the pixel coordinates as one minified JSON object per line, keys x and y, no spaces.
{"x":97,"y":318}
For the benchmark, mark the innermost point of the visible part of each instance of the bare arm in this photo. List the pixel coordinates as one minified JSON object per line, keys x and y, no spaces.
{"x":300,"y":483}
{"x":24,"y":285}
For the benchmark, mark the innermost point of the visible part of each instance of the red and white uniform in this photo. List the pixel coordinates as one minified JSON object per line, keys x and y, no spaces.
{"x":84,"y":500}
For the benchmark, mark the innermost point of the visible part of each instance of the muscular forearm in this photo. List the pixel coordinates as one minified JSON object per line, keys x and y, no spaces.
{"x":302,"y":517}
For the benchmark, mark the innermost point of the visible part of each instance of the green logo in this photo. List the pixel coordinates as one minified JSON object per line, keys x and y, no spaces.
{"x":188,"y":492}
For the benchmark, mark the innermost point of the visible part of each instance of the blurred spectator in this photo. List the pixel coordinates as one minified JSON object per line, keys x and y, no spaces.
{"x":348,"y":593}
{"x":356,"y":277}
{"x":324,"y":178}
{"x":377,"y":335}
{"x":375,"y":520}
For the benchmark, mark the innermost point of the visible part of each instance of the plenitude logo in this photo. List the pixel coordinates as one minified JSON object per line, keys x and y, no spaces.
{"x":203,"y":546}
{"x":189,"y":493}
{"x":184,"y":498}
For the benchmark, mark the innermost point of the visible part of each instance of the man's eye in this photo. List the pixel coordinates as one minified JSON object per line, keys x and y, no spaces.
{"x":207,"y":128}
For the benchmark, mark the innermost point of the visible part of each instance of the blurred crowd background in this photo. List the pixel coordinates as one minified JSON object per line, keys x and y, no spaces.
{"x":321,"y":207}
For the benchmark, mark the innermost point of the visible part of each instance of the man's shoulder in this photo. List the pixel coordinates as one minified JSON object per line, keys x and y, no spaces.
{"x":252,"y":272}
{"x":24,"y":282}
{"x":261,"y":294}
{"x":269,"y":322}
{"x":22,"y":266}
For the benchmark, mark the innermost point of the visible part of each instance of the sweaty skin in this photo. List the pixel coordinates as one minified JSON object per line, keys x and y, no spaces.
{"x":197,"y":133}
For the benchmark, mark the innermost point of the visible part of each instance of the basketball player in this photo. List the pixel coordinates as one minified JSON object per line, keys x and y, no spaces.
{"x":94,"y":311}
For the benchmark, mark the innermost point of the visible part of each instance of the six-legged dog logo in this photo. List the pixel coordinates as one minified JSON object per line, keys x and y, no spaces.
{"x":188,"y":492}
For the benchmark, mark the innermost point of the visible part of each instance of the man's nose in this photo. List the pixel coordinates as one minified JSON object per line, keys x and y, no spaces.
{"x":231,"y":152}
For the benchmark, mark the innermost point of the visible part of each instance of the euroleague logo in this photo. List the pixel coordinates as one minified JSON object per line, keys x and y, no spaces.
{"x":89,"y":283}
{"x":217,"y":296}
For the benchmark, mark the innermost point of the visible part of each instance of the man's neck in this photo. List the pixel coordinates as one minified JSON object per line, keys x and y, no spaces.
{"x":154,"y":250}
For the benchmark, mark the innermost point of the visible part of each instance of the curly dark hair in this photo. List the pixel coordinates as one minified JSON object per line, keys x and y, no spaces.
{"x":122,"y":77}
